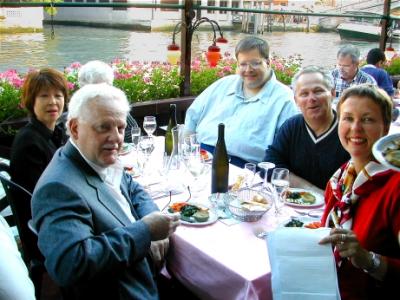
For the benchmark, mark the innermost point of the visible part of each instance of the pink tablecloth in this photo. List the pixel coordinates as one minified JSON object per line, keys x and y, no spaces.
{"x":224,"y":262}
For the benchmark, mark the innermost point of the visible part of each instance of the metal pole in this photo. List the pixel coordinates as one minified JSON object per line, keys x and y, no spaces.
{"x":186,"y":46}
{"x":385,"y":25}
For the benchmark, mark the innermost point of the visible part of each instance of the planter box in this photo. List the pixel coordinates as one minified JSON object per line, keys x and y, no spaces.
{"x":157,"y":108}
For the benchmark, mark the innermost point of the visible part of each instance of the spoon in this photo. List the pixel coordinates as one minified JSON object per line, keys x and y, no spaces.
{"x":260,"y":233}
{"x":312,"y":214}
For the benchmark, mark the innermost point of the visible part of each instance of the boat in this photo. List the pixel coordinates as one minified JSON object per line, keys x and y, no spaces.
{"x":361,"y":28}
{"x":364,"y":31}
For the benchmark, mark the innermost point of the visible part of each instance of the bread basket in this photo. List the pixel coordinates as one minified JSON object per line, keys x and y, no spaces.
{"x":244,"y":205}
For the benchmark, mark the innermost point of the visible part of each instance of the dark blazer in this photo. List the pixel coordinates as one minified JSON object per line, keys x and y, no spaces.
{"x":89,"y":244}
{"x":32,"y":149}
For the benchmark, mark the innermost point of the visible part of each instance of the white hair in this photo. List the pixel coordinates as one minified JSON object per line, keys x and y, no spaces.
{"x":95,"y":71}
{"x":101,"y":94}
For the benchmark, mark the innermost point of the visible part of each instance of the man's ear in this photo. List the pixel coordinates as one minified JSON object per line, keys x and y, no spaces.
{"x":73,"y":125}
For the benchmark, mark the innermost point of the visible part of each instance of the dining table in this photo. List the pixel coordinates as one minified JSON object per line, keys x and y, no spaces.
{"x":224,"y":259}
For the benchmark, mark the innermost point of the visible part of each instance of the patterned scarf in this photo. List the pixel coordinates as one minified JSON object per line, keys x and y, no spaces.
{"x":348,"y":187}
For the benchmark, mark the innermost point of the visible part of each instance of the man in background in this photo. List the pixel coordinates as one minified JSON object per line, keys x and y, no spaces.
{"x":375,"y":59}
{"x":347,"y":72}
{"x":252,"y":104}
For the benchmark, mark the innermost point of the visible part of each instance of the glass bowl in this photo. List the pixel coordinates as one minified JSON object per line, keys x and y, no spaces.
{"x":249,"y":205}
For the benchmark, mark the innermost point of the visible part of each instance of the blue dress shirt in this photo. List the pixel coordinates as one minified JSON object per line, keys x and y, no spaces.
{"x":250,"y":124}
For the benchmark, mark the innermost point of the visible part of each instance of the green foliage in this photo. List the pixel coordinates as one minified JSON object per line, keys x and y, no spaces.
{"x":143,"y":81}
{"x":393,"y":66}
{"x":10,"y":107}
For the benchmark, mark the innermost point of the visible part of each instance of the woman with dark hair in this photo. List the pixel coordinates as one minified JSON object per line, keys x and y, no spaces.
{"x":363,"y":201}
{"x":44,"y":94}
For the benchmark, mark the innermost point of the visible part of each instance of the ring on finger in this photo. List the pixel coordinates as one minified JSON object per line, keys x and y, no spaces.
{"x":343,"y":237}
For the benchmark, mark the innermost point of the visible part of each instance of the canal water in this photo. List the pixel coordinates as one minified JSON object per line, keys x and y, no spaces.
{"x":71,"y":44}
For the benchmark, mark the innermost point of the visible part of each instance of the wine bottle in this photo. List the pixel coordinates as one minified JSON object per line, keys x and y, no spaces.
{"x":171,"y":124}
{"x":220,"y":164}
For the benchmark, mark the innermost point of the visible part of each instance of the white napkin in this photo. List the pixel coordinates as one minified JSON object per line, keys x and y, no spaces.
{"x":301,"y":268}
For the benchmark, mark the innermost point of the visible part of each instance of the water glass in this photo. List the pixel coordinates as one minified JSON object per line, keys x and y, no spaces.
{"x":266,"y":166}
{"x":149,"y":125}
{"x":280,"y":181}
{"x":146,"y":147}
{"x":135,"y":132}
{"x":194,"y":140}
{"x":249,"y":172}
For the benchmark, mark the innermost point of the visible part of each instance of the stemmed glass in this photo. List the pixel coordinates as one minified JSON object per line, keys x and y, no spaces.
{"x":280,"y":181}
{"x":196,"y":166}
{"x":146,"y":147}
{"x":149,"y":125}
{"x":266,"y":166}
{"x":249,"y":171}
{"x":135,"y":133}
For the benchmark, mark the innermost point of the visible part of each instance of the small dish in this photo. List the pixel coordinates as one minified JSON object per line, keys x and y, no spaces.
{"x":205,"y":155}
{"x":319,"y":200}
{"x":126,"y":148}
{"x":213,"y":217}
{"x":381,"y":146}
{"x":300,"y":222}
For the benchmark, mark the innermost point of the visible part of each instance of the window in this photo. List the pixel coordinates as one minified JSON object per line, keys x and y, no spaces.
{"x":223,"y":4}
{"x":210,"y":3}
{"x":235,"y":4}
{"x":120,"y":1}
{"x":169,"y":2}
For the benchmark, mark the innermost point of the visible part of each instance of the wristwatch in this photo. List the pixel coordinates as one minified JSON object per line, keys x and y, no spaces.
{"x":376,"y":262}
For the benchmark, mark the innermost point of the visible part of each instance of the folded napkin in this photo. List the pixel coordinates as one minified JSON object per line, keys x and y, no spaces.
{"x":301,"y":268}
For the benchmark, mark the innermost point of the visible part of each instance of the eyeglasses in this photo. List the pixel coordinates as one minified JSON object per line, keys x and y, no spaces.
{"x":255,"y":65}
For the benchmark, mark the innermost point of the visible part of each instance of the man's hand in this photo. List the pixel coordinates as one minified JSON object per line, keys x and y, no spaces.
{"x":161,"y":225}
{"x":158,"y":252}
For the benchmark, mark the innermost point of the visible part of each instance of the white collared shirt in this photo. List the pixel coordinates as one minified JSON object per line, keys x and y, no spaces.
{"x":112,"y":176}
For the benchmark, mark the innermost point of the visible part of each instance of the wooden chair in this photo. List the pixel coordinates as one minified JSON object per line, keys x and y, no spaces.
{"x":19,"y":200}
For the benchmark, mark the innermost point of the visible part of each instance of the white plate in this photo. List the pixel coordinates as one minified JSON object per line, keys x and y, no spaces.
{"x":212,"y":219}
{"x":319,"y":200}
{"x":381,"y":145}
{"x":126,"y":148}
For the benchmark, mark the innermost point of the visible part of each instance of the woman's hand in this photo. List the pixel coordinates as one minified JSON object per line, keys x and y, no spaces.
{"x":349,"y":247}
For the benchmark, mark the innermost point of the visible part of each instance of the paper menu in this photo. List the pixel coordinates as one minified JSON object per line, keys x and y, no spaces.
{"x":301,"y":268}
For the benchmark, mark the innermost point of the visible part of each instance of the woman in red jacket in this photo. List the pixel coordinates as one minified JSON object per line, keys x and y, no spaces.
{"x":363,"y":201}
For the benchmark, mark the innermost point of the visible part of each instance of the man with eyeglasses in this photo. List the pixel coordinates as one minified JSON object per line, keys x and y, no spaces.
{"x":252,"y":104}
{"x":347,"y":72}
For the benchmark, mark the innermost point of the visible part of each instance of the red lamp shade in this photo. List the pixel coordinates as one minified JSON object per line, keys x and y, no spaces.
{"x":222,"y":43}
{"x":222,"y":40}
{"x":213,"y":55}
{"x":389,"y":53}
{"x":173,"y":54}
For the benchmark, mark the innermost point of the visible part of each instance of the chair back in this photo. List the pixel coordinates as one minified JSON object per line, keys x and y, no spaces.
{"x":4,"y":204}
{"x":19,"y":200}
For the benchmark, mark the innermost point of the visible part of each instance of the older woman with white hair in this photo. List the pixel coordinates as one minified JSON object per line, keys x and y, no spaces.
{"x":96,"y":71}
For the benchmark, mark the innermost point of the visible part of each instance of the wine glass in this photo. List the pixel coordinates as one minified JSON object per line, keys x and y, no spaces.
{"x":266,"y":166}
{"x":135,"y":133}
{"x":196,"y":166}
{"x":280,"y":181}
{"x":146,"y":147}
{"x":249,"y":171}
{"x":149,"y":125}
